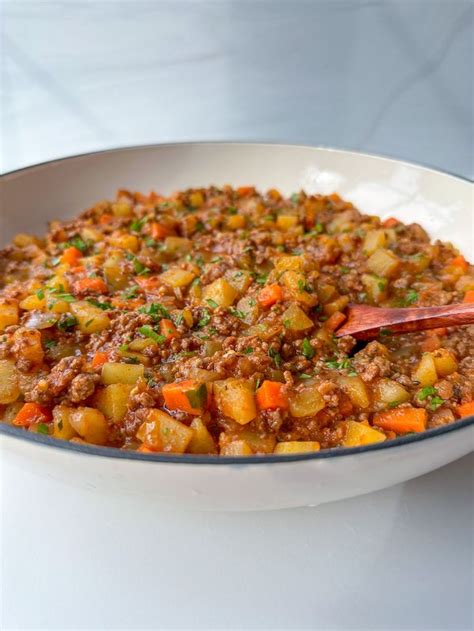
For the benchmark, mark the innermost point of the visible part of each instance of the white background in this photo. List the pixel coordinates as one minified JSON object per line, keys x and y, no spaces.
{"x":387,"y":77}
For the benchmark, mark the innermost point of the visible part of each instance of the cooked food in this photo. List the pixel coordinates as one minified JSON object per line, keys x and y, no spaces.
{"x":203,"y":323}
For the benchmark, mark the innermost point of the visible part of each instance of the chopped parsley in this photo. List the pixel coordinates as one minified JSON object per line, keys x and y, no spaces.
{"x":237,"y":312}
{"x":49,"y":344}
{"x":343,"y":364}
{"x":156,"y":311}
{"x":231,"y":210}
{"x":205,"y":318}
{"x":105,"y":306}
{"x":314,"y":232}
{"x":212,"y":303}
{"x":67,"y":322}
{"x":197,"y":397}
{"x":426,"y":392}
{"x":275,"y":355}
{"x":137,"y":224}
{"x":130,"y":293}
{"x":307,"y":349}
{"x":435,"y":403}
{"x":40,"y":294}
{"x":147,"y":331}
{"x":79,"y":243}
{"x":42,"y":428}
{"x":261,"y":279}
{"x":248,"y":350}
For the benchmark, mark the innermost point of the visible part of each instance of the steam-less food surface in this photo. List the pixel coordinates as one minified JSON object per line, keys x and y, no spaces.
{"x":204,"y":323}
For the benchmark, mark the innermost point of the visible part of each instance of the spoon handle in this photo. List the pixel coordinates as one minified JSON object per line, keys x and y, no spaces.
{"x":364,"y":322}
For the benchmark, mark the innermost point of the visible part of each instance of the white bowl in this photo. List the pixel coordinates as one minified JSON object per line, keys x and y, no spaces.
{"x":442,"y":203}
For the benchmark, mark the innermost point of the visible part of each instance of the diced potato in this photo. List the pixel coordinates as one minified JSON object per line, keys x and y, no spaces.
{"x":211,"y":347}
{"x":91,"y":319}
{"x":22,"y":240}
{"x":121,"y":373}
{"x":236,"y":448}
{"x":445,"y":362}
{"x":374,"y":239}
{"x":289,"y":263}
{"x":295,"y":319}
{"x":295,"y":282}
{"x":465,"y":283}
{"x":196,"y":199}
{"x":115,"y":273}
{"x":138,"y":345}
{"x":326,"y":293}
{"x":386,"y":392}
{"x":58,"y":283}
{"x":32,"y":303}
{"x":336,"y":305}
{"x":202,"y":375}
{"x":358,"y":434}
{"x":235,"y":398}
{"x":418,"y":263}
{"x":259,"y":443}
{"x":235,"y":222}
{"x":176,"y":277}
{"x":375,"y":287}
{"x":249,"y":307}
{"x":177,"y":245}
{"x":30,"y":347}
{"x":112,"y":401}
{"x":201,"y":442}
{"x":384,"y":263}
{"x":90,"y":424}
{"x":221,"y":292}
{"x":341,"y":222}
{"x":122,"y":209}
{"x":239,"y":279}
{"x":127,"y":242}
{"x":91,"y":234}
{"x":425,"y":373}
{"x":356,"y":390}
{"x":9,"y":384}
{"x":8,"y":314}
{"x":306,"y":402}
{"x":297,"y":447}
{"x":286,"y":222}
{"x":161,"y":432}
{"x":62,"y":427}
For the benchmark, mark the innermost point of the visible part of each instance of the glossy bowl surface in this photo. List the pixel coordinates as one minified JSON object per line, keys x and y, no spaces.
{"x":60,"y":189}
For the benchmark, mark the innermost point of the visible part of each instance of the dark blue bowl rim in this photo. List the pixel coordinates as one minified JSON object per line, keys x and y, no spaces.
{"x":111,"y":452}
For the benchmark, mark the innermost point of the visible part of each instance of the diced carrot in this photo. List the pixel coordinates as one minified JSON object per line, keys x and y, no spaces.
{"x":146,"y":450}
{"x":99,"y":359}
{"x":270,"y":294}
{"x":272,"y":395}
{"x":94,"y":285}
{"x":159,"y":231}
{"x":245,"y":191}
{"x":469,"y":296}
{"x":189,"y":396}
{"x":390,"y":222}
{"x":459,"y":261}
{"x":148,"y":284}
{"x":168,"y":329}
{"x":32,"y":413}
{"x":466,"y":409}
{"x":441,"y":331}
{"x":105,"y":218}
{"x":128,"y":305}
{"x":402,"y":420}
{"x":431,"y":343}
{"x":123,"y":192}
{"x":71,"y":256}
{"x":335,"y":320}
{"x":78,"y":269}
{"x":334,"y":197}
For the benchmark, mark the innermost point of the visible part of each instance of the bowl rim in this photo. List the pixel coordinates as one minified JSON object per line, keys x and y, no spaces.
{"x":191,"y":459}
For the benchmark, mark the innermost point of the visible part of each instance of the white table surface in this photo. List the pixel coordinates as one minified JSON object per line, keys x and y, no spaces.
{"x":387,"y":77}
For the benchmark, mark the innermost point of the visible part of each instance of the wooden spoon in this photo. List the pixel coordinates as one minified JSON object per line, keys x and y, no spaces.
{"x":364,"y":322}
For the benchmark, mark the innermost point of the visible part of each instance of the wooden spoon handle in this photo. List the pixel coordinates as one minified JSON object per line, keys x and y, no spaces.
{"x":364,"y":322}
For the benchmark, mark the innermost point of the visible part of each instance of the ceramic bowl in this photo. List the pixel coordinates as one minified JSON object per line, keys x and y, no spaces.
{"x":60,"y":189}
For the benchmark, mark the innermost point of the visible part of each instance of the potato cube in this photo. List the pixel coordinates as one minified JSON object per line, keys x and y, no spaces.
{"x":425,"y":373}
{"x":121,"y":373}
{"x":201,"y":441}
{"x":259,"y":443}
{"x":358,"y":434}
{"x":127,"y":242}
{"x":297,"y":447}
{"x":161,"y":432}
{"x":235,"y":398}
{"x":445,"y":362}
{"x":295,"y":319}
{"x":236,"y":448}
{"x":286,"y":222}
{"x":375,"y":287}
{"x":115,"y":272}
{"x":387,"y":392}
{"x":90,"y":424}
{"x":91,"y":319}
{"x":177,"y":245}
{"x":9,"y":382}
{"x":112,"y":401}
{"x":176,"y":277}
{"x":384,"y":263}
{"x":374,"y":239}
{"x":239,"y":279}
{"x":306,"y":402}
{"x":356,"y":390}
{"x":221,"y":292}
{"x":8,"y":314}
{"x":235,"y":222}
{"x":289,"y":263}
{"x":62,"y":427}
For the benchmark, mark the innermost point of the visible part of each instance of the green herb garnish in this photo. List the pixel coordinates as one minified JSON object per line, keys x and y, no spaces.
{"x":147,"y":331}
{"x":307,"y":349}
